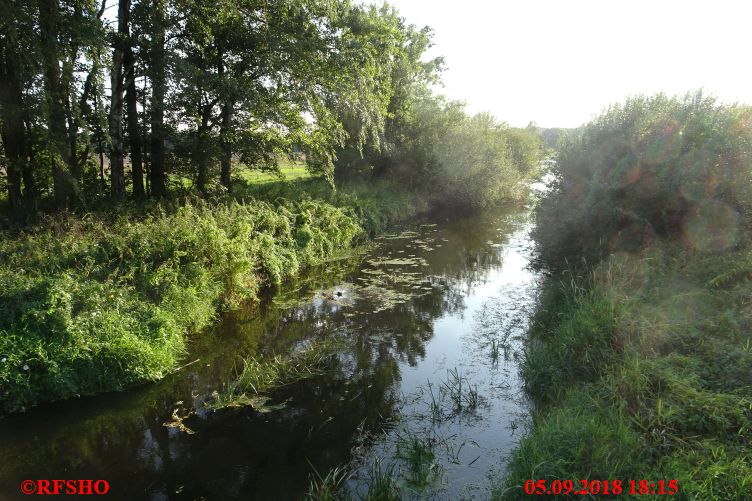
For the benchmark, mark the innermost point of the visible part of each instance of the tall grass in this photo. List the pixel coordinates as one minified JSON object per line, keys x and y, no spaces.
{"x":642,"y":372}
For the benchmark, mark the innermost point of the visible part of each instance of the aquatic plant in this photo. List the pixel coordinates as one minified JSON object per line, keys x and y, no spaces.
{"x":382,"y":485}
{"x":262,"y":375}
{"x":495,"y":349}
{"x":328,"y":487}
{"x":379,"y":486}
{"x":417,"y":456}
{"x":462,"y":395}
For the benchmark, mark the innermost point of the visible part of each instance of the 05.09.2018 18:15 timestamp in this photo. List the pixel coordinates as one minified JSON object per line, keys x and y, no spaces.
{"x":601,"y":487}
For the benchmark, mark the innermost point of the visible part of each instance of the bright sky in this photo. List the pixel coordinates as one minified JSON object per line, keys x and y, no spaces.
{"x":560,"y":62}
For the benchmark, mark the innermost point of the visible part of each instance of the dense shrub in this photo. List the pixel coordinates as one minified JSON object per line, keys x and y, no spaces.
{"x":640,"y":352}
{"x":653,"y":167}
{"x":476,"y":165}
{"x":88,"y":306}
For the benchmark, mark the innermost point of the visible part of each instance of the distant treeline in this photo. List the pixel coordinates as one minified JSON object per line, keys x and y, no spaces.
{"x":552,"y":136}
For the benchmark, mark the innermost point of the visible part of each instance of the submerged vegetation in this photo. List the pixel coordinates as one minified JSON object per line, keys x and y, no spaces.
{"x":413,"y":471}
{"x":639,"y":355}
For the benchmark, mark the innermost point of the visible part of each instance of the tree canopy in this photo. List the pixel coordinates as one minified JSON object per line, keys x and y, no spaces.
{"x":115,"y":98}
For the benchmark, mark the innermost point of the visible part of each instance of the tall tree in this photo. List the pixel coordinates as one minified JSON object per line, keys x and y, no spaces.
{"x":134,"y":129}
{"x":56,"y":92}
{"x":69,"y":42}
{"x":157,"y":72}
{"x":252,"y":80}
{"x":13,"y":111}
{"x":117,"y":150}
{"x":261,"y":79}
{"x":398,"y":49}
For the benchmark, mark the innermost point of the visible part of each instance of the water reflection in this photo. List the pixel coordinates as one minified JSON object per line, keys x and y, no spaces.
{"x":409,"y":310}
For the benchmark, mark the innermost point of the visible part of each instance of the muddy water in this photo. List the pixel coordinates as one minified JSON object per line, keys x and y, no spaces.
{"x":430,"y":321}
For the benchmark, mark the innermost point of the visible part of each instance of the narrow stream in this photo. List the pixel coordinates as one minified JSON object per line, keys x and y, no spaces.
{"x":431,"y":319}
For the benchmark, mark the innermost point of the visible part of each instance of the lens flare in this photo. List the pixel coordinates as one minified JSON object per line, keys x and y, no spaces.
{"x":711,"y":227}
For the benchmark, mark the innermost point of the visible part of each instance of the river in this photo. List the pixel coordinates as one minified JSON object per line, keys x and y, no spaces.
{"x":431,"y":319}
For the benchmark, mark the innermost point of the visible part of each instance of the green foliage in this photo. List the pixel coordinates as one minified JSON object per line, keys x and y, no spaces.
{"x":576,"y":347}
{"x":475,"y":164}
{"x":577,"y":440}
{"x":235,"y":54}
{"x":641,"y":370}
{"x":654,"y":167}
{"x":373,"y":204}
{"x":331,"y":487}
{"x":327,"y":487}
{"x":417,"y":456}
{"x":641,"y":363}
{"x":455,"y":160}
{"x":382,"y":485}
{"x":89,"y":306}
{"x":222,"y":81}
{"x":100,"y":303}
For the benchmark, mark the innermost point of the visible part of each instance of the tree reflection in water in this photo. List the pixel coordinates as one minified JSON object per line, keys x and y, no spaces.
{"x":241,"y":453}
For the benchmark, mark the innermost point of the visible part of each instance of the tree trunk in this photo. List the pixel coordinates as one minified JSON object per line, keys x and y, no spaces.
{"x":226,"y":159}
{"x":158,"y":93}
{"x":13,"y":169}
{"x":225,"y":143}
{"x":115,"y":119}
{"x":56,"y":95}
{"x":134,"y":131}
{"x":202,"y":150}
{"x":30,"y":184}
{"x":100,"y":144}
{"x":145,"y":139}
{"x":13,"y":128}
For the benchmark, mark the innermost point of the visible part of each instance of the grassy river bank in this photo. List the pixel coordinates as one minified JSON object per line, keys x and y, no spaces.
{"x":639,"y":355}
{"x":98,"y":303}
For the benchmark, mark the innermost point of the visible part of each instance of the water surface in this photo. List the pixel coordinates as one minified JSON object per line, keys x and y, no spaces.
{"x":421,"y":310}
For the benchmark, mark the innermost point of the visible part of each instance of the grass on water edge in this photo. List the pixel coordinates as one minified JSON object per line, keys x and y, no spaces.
{"x":641,"y":370}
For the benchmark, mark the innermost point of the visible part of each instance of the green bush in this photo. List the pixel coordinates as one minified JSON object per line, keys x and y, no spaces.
{"x":452,"y":159}
{"x":475,"y":165}
{"x":89,"y":306}
{"x":651,"y":168}
{"x":640,"y":364}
